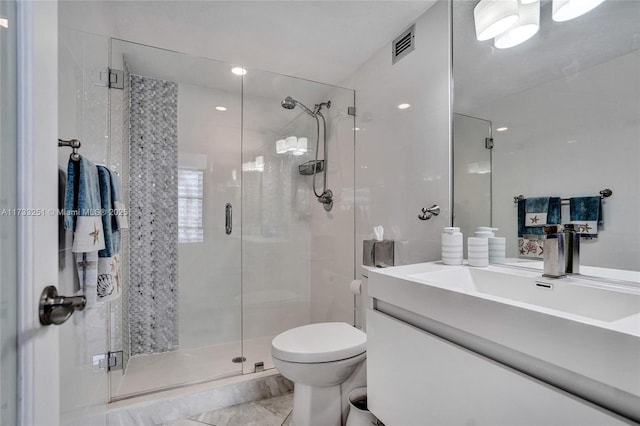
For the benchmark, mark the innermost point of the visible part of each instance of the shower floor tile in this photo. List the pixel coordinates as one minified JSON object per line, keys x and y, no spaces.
{"x":147,"y":373}
{"x":274,"y":411}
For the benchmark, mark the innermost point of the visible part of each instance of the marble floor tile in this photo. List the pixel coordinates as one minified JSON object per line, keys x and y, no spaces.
{"x":267,"y":412}
{"x":183,"y":422}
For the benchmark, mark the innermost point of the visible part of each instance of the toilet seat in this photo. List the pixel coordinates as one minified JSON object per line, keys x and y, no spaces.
{"x":316,"y":343}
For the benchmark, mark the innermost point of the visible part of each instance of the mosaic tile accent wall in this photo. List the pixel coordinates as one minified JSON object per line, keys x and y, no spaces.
{"x":153,"y":285}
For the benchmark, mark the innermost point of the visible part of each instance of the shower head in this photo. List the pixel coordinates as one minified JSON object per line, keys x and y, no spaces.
{"x":290,"y":103}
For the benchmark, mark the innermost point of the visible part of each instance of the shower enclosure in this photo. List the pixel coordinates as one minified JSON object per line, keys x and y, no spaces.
{"x":227,"y":245}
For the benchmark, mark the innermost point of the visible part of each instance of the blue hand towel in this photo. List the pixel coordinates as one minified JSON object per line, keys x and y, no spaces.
{"x":537,"y":205}
{"x":83,"y":207}
{"x":108,"y":284}
{"x":546,"y":209}
{"x":587,"y":213}
{"x":109,"y":224}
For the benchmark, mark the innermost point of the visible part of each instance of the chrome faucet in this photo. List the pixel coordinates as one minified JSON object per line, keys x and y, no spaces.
{"x":553,"y":255}
{"x":572,"y":245}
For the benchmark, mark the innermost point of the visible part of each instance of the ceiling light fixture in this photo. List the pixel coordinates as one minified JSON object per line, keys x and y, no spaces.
{"x":565,"y":10}
{"x":281,"y":146}
{"x":526,"y":27}
{"x":403,"y":106}
{"x":4,"y":22}
{"x":221,"y":108}
{"x":238,"y":71}
{"x":493,"y":17}
{"x":502,"y":129}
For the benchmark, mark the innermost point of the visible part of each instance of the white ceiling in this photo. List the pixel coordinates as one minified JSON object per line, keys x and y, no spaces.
{"x":483,"y":73}
{"x":325,"y":41}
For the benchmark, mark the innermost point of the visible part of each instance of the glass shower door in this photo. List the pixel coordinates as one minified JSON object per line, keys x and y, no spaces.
{"x":176,"y":127}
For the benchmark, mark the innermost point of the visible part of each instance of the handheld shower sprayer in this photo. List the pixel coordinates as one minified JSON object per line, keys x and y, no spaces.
{"x":326,"y":196}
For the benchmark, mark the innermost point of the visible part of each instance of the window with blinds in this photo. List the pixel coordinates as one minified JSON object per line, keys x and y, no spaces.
{"x":190,"y":195}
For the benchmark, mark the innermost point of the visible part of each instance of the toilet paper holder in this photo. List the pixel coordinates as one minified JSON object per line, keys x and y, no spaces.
{"x":378,"y":253}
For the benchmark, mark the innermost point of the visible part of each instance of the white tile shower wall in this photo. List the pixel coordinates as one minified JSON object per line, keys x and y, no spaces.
{"x":332,"y":233}
{"x":276,"y":219}
{"x":403,"y":156}
{"x":209,"y":272}
{"x":592,"y":130}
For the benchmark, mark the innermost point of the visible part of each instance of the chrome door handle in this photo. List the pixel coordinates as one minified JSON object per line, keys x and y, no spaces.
{"x":228,"y":218}
{"x":56,"y":309}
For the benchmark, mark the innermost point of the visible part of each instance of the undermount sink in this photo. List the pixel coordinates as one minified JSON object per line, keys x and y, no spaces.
{"x":592,"y":300}
{"x":576,"y":333}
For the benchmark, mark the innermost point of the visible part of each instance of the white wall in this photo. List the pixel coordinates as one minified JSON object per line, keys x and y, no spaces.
{"x":575,"y":144}
{"x":332,"y":233}
{"x":403,"y":156}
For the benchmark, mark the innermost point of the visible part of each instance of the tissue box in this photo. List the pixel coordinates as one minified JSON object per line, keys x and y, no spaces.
{"x":377,"y":253}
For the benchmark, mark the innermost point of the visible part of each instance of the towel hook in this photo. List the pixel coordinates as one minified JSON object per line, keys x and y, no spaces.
{"x":74,"y":144}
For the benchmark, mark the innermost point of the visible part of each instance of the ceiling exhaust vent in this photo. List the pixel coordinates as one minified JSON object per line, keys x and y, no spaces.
{"x":403,"y":44}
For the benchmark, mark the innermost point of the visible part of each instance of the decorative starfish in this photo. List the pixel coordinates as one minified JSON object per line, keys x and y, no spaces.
{"x":95,"y":234}
{"x":585,"y":228}
{"x":534,"y":219}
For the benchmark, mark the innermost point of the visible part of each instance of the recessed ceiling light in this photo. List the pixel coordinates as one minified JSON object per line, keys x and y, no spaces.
{"x":502,"y":129}
{"x":238,"y":71}
{"x":4,"y":22}
{"x":356,"y":128}
{"x":221,"y":108}
{"x":403,"y":106}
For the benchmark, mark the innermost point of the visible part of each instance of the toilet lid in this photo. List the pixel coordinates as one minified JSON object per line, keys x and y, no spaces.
{"x":322,"y":342}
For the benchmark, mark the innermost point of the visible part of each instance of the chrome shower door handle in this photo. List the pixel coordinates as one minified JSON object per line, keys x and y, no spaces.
{"x":228,"y":218}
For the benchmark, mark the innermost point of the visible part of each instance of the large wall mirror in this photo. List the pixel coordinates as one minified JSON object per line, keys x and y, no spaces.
{"x":563,"y":110}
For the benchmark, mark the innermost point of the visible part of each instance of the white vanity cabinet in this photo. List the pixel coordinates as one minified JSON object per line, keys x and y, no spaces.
{"x":456,"y":345}
{"x":417,"y":379}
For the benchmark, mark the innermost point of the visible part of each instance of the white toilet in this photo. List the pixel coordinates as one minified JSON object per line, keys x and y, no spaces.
{"x":321,"y":359}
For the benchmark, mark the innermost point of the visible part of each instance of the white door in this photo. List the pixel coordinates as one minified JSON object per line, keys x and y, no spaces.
{"x":36,"y":27}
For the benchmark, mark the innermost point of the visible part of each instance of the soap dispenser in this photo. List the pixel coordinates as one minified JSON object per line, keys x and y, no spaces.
{"x":452,"y":251}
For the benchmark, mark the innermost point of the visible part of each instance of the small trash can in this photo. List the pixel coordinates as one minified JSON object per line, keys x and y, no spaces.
{"x":359,"y":414}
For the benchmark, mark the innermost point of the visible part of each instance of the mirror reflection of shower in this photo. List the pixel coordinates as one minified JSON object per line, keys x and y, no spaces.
{"x":316,"y":166}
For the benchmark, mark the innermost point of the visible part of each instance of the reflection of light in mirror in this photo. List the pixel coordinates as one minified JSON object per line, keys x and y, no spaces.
{"x":572,"y":141}
{"x":234,"y":174}
{"x":493,"y":17}
{"x":480,"y":168}
{"x":4,"y":22}
{"x":238,"y":71}
{"x":356,"y":128}
{"x":221,"y":108}
{"x":502,"y":129}
{"x":254,"y":166}
{"x":565,"y":10}
{"x":526,"y":27}
{"x":301,"y":147}
{"x":403,"y":106}
{"x":281,"y":146}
